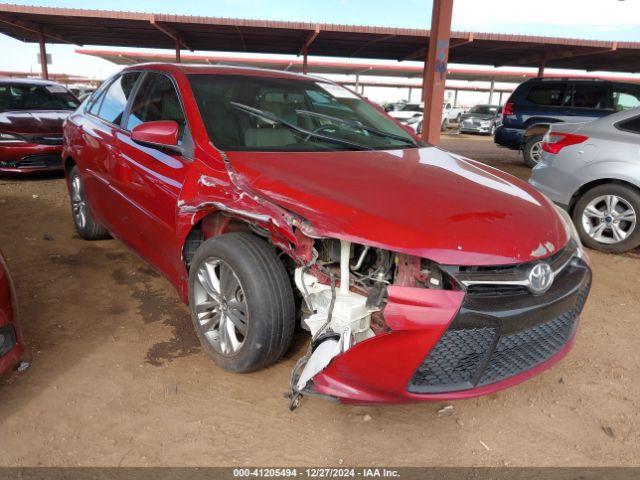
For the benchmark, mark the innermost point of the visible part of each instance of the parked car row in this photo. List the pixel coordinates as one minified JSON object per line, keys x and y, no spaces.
{"x":538,"y":103}
{"x":412,"y":114}
{"x":271,"y":199}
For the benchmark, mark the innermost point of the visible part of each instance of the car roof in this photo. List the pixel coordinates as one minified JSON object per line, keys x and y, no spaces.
{"x":27,"y":81}
{"x":221,"y":69}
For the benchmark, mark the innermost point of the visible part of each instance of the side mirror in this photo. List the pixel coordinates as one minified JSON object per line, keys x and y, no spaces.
{"x":161,"y":134}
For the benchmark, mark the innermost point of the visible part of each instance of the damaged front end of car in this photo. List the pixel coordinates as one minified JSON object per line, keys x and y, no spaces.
{"x":392,"y":328}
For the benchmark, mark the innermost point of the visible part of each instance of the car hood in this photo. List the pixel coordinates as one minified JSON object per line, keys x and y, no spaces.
{"x":424,"y":202}
{"x":400,"y":115}
{"x":477,"y":116}
{"x":33,"y":121}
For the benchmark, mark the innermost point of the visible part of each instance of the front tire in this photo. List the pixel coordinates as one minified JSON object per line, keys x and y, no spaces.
{"x":241,"y":302}
{"x":607,"y":218}
{"x":532,"y":151}
{"x":84,"y":222}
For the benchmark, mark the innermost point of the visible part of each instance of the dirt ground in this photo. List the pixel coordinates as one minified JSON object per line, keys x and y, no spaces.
{"x":118,"y":377}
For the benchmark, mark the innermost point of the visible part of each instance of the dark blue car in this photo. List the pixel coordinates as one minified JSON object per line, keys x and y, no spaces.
{"x":539,"y":102}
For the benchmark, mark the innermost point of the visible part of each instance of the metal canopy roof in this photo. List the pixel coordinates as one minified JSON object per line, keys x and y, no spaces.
{"x":129,"y":29}
{"x":323,"y":66}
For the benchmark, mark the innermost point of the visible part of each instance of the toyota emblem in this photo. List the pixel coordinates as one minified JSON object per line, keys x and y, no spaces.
{"x":540,"y":278}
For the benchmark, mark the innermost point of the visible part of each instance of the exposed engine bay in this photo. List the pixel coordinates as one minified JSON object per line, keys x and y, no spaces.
{"x":343,"y":291}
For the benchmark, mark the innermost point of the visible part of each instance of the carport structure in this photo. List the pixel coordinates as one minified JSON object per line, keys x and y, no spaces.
{"x":436,"y":46}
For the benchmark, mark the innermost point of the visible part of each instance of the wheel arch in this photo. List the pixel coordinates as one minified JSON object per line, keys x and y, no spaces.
{"x":536,"y":129}
{"x":68,"y":164}
{"x":596,"y":183}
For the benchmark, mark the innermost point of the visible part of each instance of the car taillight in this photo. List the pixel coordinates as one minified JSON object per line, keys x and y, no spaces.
{"x":553,"y":142}
{"x":508,"y":109}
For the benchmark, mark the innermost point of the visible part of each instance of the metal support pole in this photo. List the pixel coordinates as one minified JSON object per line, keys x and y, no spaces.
{"x":491,"y":88}
{"x":43,"y":57}
{"x":177,"y":44}
{"x":305,"y":65}
{"x":436,"y":69}
{"x":409,"y":97}
{"x":455,"y":98}
{"x":500,"y":101}
{"x":357,"y":82}
{"x":541,"y":69}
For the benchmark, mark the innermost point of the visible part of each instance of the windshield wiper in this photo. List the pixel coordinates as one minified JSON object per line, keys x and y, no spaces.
{"x":359,"y":125}
{"x":256,"y":112}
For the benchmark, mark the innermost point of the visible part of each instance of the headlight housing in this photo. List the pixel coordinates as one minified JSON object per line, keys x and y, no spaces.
{"x":486,"y":123}
{"x":413,"y":120}
{"x":570,"y":227}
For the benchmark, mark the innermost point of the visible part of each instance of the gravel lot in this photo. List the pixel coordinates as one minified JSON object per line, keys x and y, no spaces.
{"x":118,"y":378}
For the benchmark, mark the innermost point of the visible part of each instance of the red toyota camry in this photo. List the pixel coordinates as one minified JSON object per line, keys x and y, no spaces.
{"x":31,"y":116}
{"x":10,"y":339}
{"x":269,"y":198}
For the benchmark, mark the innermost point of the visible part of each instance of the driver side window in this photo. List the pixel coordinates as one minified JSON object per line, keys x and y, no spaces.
{"x":156,"y":99}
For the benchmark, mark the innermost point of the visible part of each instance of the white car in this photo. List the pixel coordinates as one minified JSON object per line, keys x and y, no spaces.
{"x":411,"y":114}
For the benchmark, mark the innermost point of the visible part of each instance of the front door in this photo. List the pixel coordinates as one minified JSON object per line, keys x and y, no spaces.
{"x":151,"y":179}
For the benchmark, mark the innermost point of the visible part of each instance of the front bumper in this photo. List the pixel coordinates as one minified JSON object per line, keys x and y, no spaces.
{"x":26,"y":158}
{"x":448,"y":345}
{"x":474,"y":127}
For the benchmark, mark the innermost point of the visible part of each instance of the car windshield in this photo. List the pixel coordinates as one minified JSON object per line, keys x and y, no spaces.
{"x":24,"y":96}
{"x":483,"y":109}
{"x":256,"y":113}
{"x":412,"y":107}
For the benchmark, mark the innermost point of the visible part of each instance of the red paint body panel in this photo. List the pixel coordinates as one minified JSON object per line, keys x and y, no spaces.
{"x":162,"y":132}
{"x":8,"y":316}
{"x":421,"y":202}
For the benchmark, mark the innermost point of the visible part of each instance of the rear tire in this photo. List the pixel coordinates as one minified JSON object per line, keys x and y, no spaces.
{"x":532,"y":151}
{"x":241,"y":302}
{"x":445,"y":124}
{"x":599,"y":228}
{"x":85,"y":225}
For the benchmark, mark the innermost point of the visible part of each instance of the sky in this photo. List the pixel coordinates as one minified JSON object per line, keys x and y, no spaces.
{"x":590,"y":19}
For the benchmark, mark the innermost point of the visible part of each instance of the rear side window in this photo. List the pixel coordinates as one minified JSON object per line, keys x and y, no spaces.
{"x":157,"y":99}
{"x":114,"y":100}
{"x":590,"y":96}
{"x":625,"y":97}
{"x":632,"y":125}
{"x":549,"y":95}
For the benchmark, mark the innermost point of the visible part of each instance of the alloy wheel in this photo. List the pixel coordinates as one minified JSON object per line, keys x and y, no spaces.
{"x":609,"y":219}
{"x":220,"y":306}
{"x":78,"y":203}
{"x":536,"y":152}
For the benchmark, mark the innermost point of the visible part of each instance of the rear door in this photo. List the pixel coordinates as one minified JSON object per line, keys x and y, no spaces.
{"x":545,"y":102}
{"x":589,"y":101}
{"x":148,"y":181}
{"x":99,"y":127}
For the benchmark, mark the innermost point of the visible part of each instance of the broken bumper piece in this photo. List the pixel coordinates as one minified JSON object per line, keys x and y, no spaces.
{"x":448,"y":345}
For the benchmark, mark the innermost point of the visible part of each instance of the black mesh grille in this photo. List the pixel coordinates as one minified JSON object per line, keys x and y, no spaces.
{"x":454,"y":361}
{"x":480,"y":348}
